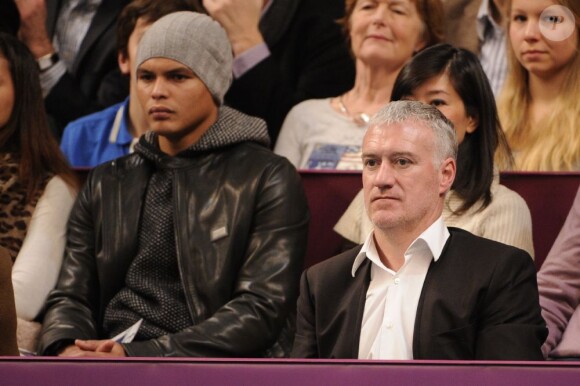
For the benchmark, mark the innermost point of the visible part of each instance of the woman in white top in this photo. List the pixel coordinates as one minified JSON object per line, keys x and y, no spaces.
{"x":37,"y":187}
{"x":383,"y":35}
{"x":452,"y":80}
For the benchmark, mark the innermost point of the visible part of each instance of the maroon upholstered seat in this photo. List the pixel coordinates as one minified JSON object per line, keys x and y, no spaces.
{"x":329,"y":193}
{"x":548,"y":195}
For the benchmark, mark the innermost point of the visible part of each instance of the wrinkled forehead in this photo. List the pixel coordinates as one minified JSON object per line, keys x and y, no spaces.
{"x":351,"y":4}
{"x":409,"y":135}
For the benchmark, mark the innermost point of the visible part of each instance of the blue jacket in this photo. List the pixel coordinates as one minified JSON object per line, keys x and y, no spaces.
{"x":98,"y":137}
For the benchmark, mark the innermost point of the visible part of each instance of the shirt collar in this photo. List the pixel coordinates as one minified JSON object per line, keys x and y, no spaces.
{"x":483,"y":19}
{"x":433,"y":238}
{"x":120,"y":131}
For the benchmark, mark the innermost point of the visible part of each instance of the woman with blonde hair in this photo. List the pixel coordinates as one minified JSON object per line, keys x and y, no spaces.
{"x":539,"y":107}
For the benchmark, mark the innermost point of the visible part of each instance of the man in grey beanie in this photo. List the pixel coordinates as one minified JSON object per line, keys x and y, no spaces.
{"x":198,"y":236}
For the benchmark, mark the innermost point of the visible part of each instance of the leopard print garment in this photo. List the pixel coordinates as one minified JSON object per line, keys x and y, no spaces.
{"x":15,"y":210}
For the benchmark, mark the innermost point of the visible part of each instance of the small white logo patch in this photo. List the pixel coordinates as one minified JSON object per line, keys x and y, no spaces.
{"x":219,"y":233}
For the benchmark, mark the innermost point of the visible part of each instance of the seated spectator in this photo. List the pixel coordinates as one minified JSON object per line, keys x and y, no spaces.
{"x":383,"y":35}
{"x":453,"y":80}
{"x":286,"y":51}
{"x":559,"y":285}
{"x":37,"y":188}
{"x":479,"y":26}
{"x":113,"y":132}
{"x":539,"y":107}
{"x":417,"y":289}
{"x":198,"y":235}
{"x":75,"y":46}
{"x":8,"y":344}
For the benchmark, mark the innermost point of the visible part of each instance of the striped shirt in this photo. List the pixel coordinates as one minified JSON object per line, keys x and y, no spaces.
{"x":493,"y":54}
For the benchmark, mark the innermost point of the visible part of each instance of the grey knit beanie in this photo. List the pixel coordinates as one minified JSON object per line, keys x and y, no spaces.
{"x":195,"y":40}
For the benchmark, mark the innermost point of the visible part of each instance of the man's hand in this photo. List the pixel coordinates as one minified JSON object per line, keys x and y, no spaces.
{"x":94,"y":348}
{"x":240,"y":19}
{"x":33,"y":26}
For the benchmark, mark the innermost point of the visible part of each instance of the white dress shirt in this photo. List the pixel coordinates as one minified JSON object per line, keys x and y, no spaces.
{"x":392,"y":298}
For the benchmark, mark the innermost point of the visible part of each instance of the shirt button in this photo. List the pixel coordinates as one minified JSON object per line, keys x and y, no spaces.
{"x":397,"y":281}
{"x":389,"y":324}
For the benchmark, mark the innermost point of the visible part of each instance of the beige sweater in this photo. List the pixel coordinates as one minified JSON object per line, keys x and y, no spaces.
{"x":506,"y":219}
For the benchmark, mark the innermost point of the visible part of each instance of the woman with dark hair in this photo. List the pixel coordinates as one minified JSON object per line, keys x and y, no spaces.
{"x":37,"y":187}
{"x":452,"y":80}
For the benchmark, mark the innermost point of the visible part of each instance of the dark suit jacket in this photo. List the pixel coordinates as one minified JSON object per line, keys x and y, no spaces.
{"x":479,"y":301}
{"x":309,"y":59}
{"x":95,"y":81}
{"x":9,"y":17}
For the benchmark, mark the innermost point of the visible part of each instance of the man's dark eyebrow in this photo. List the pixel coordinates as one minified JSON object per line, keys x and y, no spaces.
{"x":180,"y":70}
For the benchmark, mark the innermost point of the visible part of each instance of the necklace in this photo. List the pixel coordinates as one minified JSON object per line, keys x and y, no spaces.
{"x":361,"y":119}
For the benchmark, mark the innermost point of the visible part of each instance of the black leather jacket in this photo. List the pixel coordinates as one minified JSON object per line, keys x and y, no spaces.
{"x":241,"y":221}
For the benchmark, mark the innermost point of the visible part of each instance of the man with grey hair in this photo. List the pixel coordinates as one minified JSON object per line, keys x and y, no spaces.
{"x":417,"y":289}
{"x":198,"y":235}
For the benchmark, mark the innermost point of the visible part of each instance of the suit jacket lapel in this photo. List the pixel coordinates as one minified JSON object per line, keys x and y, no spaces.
{"x":424,"y":323}
{"x":105,"y":16}
{"x":362,"y":281}
{"x":339,"y":301}
{"x":52,"y":8}
{"x":343,"y":317}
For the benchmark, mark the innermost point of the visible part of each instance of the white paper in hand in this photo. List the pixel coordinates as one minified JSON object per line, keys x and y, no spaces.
{"x":128,"y":335}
